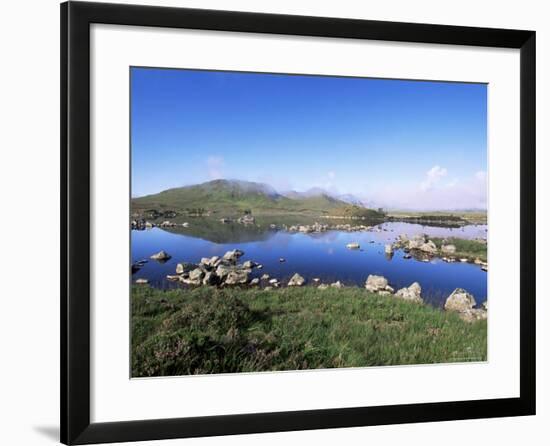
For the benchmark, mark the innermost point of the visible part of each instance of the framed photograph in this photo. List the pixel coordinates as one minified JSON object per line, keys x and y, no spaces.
{"x":275,"y":223}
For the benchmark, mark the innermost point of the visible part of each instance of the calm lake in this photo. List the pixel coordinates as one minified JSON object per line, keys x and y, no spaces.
{"x":316,"y":255}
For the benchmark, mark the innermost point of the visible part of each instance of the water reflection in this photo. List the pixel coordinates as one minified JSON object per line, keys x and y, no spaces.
{"x":322,"y":255}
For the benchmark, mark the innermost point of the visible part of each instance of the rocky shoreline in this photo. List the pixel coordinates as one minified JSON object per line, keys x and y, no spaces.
{"x":424,"y":249}
{"x":226,"y":271}
{"x":141,"y":225}
{"x":418,"y":246}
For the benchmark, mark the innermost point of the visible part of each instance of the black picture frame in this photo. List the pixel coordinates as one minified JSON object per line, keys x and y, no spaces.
{"x":76,"y":18}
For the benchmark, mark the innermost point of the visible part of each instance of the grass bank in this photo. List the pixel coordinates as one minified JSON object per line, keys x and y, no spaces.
{"x":465,"y":217}
{"x":208,"y":330}
{"x":470,"y":249}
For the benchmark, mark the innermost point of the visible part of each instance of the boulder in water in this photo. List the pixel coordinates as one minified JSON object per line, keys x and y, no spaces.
{"x":161,"y":256}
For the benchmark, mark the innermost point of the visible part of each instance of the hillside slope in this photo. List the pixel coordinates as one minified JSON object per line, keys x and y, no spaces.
{"x":230,"y":197}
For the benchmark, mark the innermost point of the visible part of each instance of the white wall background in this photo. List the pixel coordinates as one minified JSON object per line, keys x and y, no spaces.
{"x":29,"y":190}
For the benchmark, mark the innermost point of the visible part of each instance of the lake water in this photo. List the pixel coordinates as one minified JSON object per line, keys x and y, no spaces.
{"x":323,"y":255}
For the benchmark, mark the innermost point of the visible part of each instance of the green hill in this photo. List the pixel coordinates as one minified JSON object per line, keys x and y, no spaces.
{"x":227,"y":198}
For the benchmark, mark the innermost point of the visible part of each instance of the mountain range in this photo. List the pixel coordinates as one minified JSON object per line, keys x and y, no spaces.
{"x":234,"y":197}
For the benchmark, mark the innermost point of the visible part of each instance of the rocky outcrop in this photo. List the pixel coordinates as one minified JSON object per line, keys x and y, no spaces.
{"x":353,"y":245}
{"x":388,"y":249}
{"x":428,"y":247}
{"x":222,"y":271}
{"x":196,"y":274}
{"x":237,"y":277}
{"x":210,"y":278}
{"x":211,"y":261}
{"x":233,"y":256}
{"x":184,"y":267}
{"x":417,"y":241}
{"x":412,"y":293}
{"x":296,"y":280}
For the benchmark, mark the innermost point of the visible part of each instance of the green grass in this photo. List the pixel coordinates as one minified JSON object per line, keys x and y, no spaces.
{"x":209,"y":330}
{"x":470,"y":249}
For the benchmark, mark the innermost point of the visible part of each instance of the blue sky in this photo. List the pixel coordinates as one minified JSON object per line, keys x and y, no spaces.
{"x":393,"y":143}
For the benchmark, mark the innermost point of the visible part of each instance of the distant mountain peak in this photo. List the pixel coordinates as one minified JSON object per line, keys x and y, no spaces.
{"x":242,"y":186}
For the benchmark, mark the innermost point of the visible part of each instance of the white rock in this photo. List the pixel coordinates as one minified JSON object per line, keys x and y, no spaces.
{"x":460,"y":300}
{"x":196,"y":274}
{"x":412,"y":293}
{"x":376,"y":283}
{"x":428,"y":247}
{"x":296,"y":280}
{"x":232,"y":256}
{"x":236,"y":278}
{"x":161,"y":255}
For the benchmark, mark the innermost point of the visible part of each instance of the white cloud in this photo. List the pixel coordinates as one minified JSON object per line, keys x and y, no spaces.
{"x":432,"y":177}
{"x":434,"y":194}
{"x":452,"y":183}
{"x":215,"y":166}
